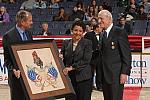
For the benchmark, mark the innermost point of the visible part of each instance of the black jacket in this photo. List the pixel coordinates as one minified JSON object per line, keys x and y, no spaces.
{"x":78,"y":59}
{"x":116,"y":55}
{"x":18,"y":92}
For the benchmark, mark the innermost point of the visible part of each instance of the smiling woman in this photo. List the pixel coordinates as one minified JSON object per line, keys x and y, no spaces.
{"x":78,"y":30}
{"x":77,"y":54}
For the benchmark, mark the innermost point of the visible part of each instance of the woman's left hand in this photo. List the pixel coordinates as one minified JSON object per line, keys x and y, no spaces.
{"x":61,"y":56}
{"x":67,"y":69}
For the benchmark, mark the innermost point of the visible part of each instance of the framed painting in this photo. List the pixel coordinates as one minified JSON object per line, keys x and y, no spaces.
{"x":41,"y":69}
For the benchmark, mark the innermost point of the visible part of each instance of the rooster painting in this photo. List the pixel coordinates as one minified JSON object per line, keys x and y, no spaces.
{"x":37,"y":59}
{"x":44,"y":76}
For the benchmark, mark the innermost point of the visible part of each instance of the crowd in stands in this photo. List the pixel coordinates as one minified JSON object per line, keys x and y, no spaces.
{"x":60,"y":14}
{"x":4,"y":16}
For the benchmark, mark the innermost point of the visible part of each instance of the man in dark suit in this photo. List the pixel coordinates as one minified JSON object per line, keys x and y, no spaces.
{"x":95,"y":37}
{"x":17,"y":34}
{"x":124,"y":25}
{"x":116,"y":57}
{"x":45,"y":31}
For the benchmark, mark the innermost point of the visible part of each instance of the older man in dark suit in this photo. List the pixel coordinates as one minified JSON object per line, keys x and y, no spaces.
{"x":17,"y":34}
{"x":116,"y":57}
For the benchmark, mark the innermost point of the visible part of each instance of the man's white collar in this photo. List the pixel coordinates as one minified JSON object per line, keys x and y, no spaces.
{"x":109,"y":28}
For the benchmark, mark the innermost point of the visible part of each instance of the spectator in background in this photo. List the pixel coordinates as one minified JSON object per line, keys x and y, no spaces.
{"x":29,"y":4}
{"x":61,"y":15}
{"x":131,"y":3}
{"x":40,"y":4}
{"x":95,"y":7}
{"x":53,"y":4}
{"x":80,"y":6}
{"x":146,"y":5}
{"x":124,"y":25}
{"x":45,"y":31}
{"x":76,"y":14}
{"x":148,"y":15}
{"x":141,"y":15}
{"x":88,"y":28}
{"x":106,"y":6}
{"x":132,"y":12}
{"x":4,"y":16}
{"x":100,"y":7}
{"x":90,"y":13}
{"x":93,"y":22}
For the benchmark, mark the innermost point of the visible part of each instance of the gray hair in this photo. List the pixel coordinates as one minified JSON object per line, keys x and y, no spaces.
{"x":22,"y":15}
{"x":105,"y":13}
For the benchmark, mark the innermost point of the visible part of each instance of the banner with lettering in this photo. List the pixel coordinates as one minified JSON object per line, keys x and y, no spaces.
{"x":140,"y":72}
{"x":135,"y":80}
{"x":3,"y":70}
{"x":146,"y":70}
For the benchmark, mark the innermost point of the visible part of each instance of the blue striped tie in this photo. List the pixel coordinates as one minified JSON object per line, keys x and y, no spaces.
{"x":24,"y":38}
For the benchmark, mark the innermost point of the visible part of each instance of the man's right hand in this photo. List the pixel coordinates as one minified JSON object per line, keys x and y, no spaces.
{"x":61,"y":56}
{"x":17,"y":73}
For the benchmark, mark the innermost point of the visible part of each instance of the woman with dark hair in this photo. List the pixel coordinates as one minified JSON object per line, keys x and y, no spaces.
{"x":94,"y":5}
{"x":90,"y":13}
{"x":141,"y":15}
{"x":61,"y":15}
{"x":93,"y":22}
{"x":76,"y":54}
{"x":80,"y":5}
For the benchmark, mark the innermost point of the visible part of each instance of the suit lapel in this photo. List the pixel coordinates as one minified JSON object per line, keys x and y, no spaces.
{"x":69,"y":48}
{"x":95,"y":38}
{"x":109,"y":38}
{"x":110,"y":34}
{"x":17,"y":35}
{"x":79,"y":47}
{"x":28,"y":35}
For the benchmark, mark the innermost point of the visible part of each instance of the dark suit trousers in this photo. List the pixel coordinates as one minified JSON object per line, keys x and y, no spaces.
{"x":98,"y":79}
{"x":16,"y":90}
{"x":82,"y":89}
{"x":112,"y":91}
{"x":99,"y":74}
